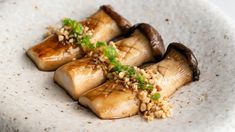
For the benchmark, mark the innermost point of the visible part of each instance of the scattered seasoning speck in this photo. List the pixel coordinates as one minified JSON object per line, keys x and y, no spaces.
{"x":89,"y":122}
{"x":167,"y":20}
{"x":213,"y":51}
{"x":217,"y":75}
{"x":226,"y":37}
{"x":46,"y":88}
{"x":62,"y":111}
{"x":36,"y":7}
{"x":205,"y":96}
{"x":26,"y":118}
{"x":189,"y":121}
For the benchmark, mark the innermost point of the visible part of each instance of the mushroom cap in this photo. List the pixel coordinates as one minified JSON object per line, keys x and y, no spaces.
{"x":155,"y":39}
{"x":192,"y":60}
{"x":122,"y":22}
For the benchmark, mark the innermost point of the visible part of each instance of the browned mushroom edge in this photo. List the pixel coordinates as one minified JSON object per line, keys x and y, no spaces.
{"x":151,"y":34}
{"x":122,"y":22}
{"x":192,"y":60}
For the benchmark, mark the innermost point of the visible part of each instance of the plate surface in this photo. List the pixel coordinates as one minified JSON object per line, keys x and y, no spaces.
{"x":30,"y":101}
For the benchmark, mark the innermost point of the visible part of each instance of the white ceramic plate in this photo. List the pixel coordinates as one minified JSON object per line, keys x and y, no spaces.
{"x":30,"y":101}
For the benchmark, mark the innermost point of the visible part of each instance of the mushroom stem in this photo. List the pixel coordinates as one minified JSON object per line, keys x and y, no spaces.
{"x":174,"y":71}
{"x":50,"y":54}
{"x":112,"y":100}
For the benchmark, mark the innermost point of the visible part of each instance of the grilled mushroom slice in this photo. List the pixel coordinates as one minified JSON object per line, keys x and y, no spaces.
{"x":142,"y":44}
{"x":50,"y":54}
{"x":110,"y":101}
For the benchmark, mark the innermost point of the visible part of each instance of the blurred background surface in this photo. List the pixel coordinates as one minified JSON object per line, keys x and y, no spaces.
{"x":227,"y":6}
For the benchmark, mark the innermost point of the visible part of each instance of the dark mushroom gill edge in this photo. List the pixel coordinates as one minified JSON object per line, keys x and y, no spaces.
{"x":155,"y":39}
{"x":192,"y":60}
{"x":122,"y":22}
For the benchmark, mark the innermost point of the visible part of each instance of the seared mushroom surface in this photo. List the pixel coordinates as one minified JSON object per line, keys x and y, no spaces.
{"x":84,"y":74}
{"x":50,"y":54}
{"x":114,"y":100}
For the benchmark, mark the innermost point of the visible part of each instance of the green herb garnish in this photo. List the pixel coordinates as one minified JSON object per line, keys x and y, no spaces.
{"x":155,"y":96}
{"x":110,"y":52}
{"x":86,"y":43}
{"x":101,"y":44}
{"x":76,"y":27}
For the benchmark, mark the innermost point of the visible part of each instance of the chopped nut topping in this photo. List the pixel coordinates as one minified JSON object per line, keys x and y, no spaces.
{"x":158,"y":109}
{"x":151,"y":109}
{"x":50,"y":30}
{"x":60,"y":37}
{"x":143,"y":107}
{"x":105,"y":57}
{"x":121,"y":75}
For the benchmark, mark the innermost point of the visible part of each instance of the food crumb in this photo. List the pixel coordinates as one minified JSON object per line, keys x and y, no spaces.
{"x":35,"y":7}
{"x":205,"y":96}
{"x":226,"y":37}
{"x":89,"y":122}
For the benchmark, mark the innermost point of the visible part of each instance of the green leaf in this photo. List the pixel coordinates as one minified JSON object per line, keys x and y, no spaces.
{"x":76,"y":27}
{"x":101,"y":44}
{"x":140,"y":78}
{"x":131,"y":71}
{"x":67,"y":22}
{"x":110,"y":52}
{"x":118,"y":67}
{"x":149,"y":86}
{"x":141,"y":85}
{"x":86,"y":42}
{"x":155,"y":96}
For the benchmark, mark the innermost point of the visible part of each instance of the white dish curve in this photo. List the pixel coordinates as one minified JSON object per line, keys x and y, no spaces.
{"x":30,"y":101}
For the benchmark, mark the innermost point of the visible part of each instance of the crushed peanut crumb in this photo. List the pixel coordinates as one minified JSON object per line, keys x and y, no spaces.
{"x":151,"y":109}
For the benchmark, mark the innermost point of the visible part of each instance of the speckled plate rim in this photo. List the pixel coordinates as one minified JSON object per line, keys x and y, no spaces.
{"x":30,"y":101}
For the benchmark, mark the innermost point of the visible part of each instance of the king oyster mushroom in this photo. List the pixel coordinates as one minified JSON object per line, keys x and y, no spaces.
{"x":105,"y":23}
{"x":110,"y":101}
{"x":141,"y":44}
